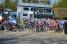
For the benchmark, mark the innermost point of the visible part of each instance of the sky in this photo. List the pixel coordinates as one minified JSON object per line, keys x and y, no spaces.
{"x":1,"y":1}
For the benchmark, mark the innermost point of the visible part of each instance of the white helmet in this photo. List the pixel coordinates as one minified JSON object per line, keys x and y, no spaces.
{"x":0,"y":18}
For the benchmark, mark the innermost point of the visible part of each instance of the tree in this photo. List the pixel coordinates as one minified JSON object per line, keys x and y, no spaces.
{"x":61,"y":8}
{"x":1,"y":6}
{"x":61,"y":4}
{"x":10,"y":5}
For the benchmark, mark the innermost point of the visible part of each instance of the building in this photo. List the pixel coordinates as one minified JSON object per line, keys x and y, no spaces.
{"x":36,"y":9}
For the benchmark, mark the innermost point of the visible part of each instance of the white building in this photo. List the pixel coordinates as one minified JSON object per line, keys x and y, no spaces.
{"x":38,"y":9}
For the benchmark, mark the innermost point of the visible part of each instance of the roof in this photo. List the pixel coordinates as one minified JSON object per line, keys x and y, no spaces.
{"x":8,"y":10}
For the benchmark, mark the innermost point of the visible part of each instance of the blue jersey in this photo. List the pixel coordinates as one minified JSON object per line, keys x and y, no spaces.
{"x":13,"y":21}
{"x":60,"y":23}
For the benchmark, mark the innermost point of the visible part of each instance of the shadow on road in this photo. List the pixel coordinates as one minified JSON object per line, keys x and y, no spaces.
{"x":8,"y":40}
{"x":32,"y":40}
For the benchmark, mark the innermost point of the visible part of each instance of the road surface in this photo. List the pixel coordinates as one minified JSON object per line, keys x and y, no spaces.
{"x":26,"y":37}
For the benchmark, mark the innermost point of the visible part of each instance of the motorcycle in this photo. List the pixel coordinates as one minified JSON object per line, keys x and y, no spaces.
{"x":13,"y":24}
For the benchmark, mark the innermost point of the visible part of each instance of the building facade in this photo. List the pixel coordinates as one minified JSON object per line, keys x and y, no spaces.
{"x":38,"y":9}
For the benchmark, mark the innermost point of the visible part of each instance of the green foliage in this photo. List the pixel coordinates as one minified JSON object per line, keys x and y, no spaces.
{"x":10,"y":5}
{"x":62,"y":4}
{"x":1,"y":6}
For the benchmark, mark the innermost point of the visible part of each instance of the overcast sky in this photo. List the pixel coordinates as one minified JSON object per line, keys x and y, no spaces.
{"x":1,"y":1}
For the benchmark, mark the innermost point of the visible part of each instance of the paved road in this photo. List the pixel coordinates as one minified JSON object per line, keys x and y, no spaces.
{"x":32,"y":38}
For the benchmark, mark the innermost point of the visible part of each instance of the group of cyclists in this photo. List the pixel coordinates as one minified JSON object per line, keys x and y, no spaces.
{"x":37,"y":24}
{"x":42,"y":24}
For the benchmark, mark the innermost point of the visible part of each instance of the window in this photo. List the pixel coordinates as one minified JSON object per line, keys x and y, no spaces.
{"x":25,"y":8}
{"x":32,"y":9}
{"x":24,"y":14}
{"x":47,"y":10}
{"x":25,"y":1}
{"x":41,"y":10}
